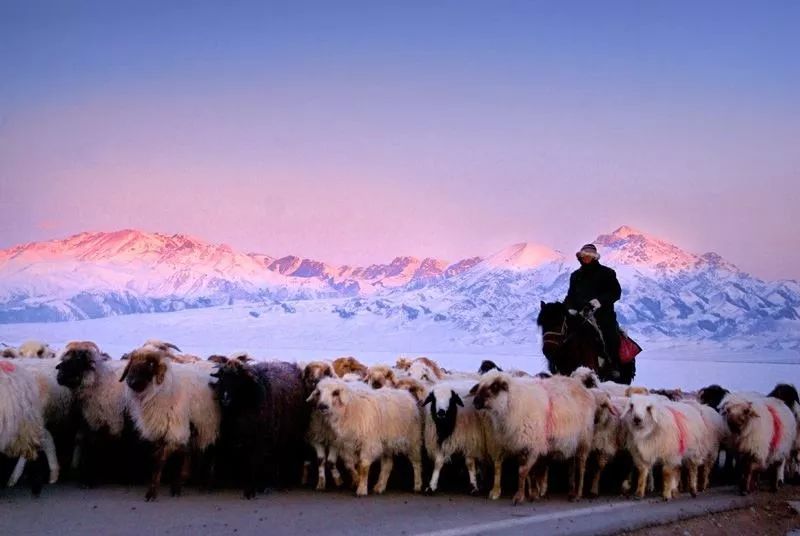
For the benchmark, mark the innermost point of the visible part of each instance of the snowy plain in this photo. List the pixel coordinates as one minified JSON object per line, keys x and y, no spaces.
{"x":322,"y":335}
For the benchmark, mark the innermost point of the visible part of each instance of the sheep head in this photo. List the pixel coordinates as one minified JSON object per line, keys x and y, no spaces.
{"x":413,"y":386}
{"x":237,"y":386}
{"x":738,"y":413}
{"x":444,"y":403}
{"x":787,"y":393}
{"x":331,"y":395}
{"x":712,"y":395}
{"x":345,"y":365}
{"x":491,"y":393}
{"x":314,"y":372}
{"x":380,"y":376}
{"x":36,"y":349}
{"x":145,"y":366}
{"x":641,"y":414}
{"x":78,"y":362}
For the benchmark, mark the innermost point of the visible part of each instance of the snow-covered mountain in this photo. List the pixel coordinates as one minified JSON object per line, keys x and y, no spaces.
{"x":667,"y":292}
{"x":91,"y":275}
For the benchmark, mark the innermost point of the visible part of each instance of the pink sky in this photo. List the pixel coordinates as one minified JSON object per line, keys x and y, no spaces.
{"x":371,"y":137}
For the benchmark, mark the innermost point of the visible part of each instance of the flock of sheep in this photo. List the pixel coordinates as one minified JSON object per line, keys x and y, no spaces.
{"x":274,"y":422}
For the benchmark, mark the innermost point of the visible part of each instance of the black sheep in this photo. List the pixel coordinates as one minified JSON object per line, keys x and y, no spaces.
{"x":712,"y":395}
{"x":787,"y":393}
{"x":264,"y":416}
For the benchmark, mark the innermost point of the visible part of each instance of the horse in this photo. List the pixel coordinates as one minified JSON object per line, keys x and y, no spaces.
{"x":572,"y":341}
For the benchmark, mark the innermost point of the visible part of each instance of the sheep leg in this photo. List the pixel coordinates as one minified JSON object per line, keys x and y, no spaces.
{"x":363,"y":477}
{"x":583,"y":458}
{"x":17,"y":473}
{"x":49,"y":447}
{"x":387,"y":462}
{"x":416,"y":465}
{"x":183,"y":475}
{"x":473,"y":478}
{"x":542,"y":478}
{"x":438,"y":462}
{"x":160,"y":459}
{"x":643,"y":471}
{"x":669,"y":476}
{"x":321,"y":483}
{"x":498,"y":473}
{"x":526,"y":463}
{"x":76,"y":451}
{"x":702,"y":477}
{"x":692,"y":470}
{"x":333,"y":457}
{"x":777,"y":474}
{"x":748,"y":468}
{"x":602,"y":461}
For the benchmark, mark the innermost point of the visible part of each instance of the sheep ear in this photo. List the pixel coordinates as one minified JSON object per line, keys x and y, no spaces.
{"x":474,"y":390}
{"x":458,"y":400}
{"x":125,"y":372}
{"x":430,"y":398}
{"x":313,"y":397}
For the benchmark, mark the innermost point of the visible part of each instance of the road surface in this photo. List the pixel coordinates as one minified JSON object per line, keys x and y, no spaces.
{"x":66,"y":509}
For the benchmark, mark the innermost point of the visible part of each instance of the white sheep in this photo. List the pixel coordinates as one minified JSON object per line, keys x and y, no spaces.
{"x":608,"y":439}
{"x":22,"y":431}
{"x":763,"y":432}
{"x":372,"y":424}
{"x":320,"y":434}
{"x":56,"y":403}
{"x":36,"y":349}
{"x":452,"y":426}
{"x":669,"y":433}
{"x":532,"y":418}
{"x":172,"y":406}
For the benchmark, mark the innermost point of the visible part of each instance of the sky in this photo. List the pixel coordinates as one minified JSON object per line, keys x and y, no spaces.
{"x":356,"y":131}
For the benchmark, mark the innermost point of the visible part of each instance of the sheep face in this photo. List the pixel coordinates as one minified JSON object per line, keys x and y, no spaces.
{"x":314,"y":372}
{"x":411,"y":385}
{"x":145,"y":367}
{"x":77,"y":366}
{"x":422,"y":372}
{"x":444,"y":404}
{"x":712,"y":395}
{"x":237,"y":387}
{"x":36,"y":349}
{"x":639,"y":415}
{"x":491,"y":393}
{"x":380,"y":376}
{"x":738,"y":414}
{"x":330,"y":396}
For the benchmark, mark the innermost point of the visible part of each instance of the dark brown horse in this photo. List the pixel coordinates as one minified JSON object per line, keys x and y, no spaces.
{"x":571,"y":341}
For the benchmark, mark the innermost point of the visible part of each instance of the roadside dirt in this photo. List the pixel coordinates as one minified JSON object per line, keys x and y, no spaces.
{"x":770,"y":516}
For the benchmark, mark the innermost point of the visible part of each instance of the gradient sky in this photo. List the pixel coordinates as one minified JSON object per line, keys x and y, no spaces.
{"x":356,"y":131}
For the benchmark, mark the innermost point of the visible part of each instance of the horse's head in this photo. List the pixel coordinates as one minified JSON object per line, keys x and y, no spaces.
{"x":551,"y":316}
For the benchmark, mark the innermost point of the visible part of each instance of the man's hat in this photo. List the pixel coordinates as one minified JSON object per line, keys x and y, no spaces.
{"x":588,"y":250}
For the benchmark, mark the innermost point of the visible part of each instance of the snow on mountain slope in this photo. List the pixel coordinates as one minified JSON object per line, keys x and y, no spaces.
{"x":668,"y":293}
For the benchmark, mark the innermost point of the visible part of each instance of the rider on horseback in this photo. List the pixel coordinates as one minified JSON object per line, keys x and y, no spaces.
{"x":593,"y":289}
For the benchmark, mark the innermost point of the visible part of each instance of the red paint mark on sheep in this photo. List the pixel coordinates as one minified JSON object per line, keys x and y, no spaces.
{"x":680,"y":421}
{"x":550,"y":424}
{"x":7,"y":367}
{"x":777,"y":429}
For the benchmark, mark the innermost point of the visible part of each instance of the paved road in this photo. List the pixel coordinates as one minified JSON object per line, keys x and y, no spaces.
{"x":65,"y":509}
